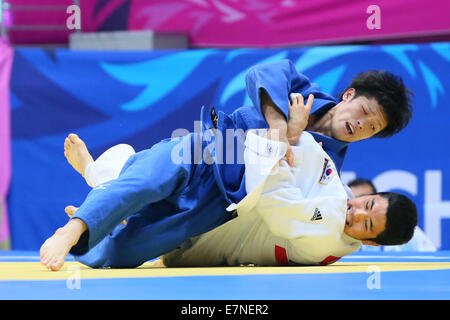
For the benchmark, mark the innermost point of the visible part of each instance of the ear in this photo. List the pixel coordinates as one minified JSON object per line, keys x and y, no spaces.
{"x":370,"y":243}
{"x":349,"y":94}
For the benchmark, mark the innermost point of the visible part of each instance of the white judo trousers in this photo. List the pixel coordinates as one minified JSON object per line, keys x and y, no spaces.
{"x":108,"y":166}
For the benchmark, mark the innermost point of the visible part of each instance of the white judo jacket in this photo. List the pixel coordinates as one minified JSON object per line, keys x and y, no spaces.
{"x":291,"y":215}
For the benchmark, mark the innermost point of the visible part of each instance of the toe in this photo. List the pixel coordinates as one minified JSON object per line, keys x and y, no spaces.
{"x":73,"y":138}
{"x":67,"y":144}
{"x":70,"y":210}
{"x":45,"y":260}
{"x":55,"y":266}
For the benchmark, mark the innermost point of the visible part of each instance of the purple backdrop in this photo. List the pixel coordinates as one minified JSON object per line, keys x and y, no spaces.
{"x":6,"y":56}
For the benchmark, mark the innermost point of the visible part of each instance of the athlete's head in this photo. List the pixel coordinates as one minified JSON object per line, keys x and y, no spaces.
{"x":361,"y":186}
{"x":384,"y":218}
{"x":376,"y":103}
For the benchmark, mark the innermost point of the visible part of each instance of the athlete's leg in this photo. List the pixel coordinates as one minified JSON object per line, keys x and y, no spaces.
{"x":105,"y":168}
{"x":108,"y":166}
{"x":164,"y":225}
{"x":147,"y":177}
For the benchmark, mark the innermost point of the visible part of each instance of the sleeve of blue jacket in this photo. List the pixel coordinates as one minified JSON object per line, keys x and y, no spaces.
{"x":280,"y":79}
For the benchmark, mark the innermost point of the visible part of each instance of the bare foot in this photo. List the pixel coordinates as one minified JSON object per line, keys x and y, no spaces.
{"x":70,"y":210}
{"x":158,"y":263}
{"x":55,"y":249}
{"x":76,"y":153}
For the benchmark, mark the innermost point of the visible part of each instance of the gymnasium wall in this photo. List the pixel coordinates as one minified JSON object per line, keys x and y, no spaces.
{"x":142,"y":97}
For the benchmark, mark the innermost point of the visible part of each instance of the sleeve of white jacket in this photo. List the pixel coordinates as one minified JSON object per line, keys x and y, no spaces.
{"x":282,"y":205}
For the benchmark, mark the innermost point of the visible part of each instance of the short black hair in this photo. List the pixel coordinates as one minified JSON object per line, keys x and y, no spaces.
{"x":361,"y":182}
{"x":401,"y":220}
{"x":391,"y":94}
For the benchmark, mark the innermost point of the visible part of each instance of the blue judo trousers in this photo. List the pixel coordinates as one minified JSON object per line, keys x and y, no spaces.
{"x":166,"y":202}
{"x":169,"y":200}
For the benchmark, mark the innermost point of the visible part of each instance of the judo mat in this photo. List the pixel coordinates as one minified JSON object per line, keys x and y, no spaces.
{"x":359,"y":276}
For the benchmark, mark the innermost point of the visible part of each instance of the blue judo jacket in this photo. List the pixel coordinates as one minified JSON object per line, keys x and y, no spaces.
{"x":167,"y":209}
{"x":279,"y":80}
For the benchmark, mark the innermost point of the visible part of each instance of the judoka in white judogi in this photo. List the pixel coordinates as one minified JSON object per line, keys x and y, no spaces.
{"x":291,"y":215}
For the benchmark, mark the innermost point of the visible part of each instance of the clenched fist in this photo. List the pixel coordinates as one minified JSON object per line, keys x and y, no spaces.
{"x":298,"y":116}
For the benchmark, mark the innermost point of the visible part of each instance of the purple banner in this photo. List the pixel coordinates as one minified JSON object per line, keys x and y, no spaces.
{"x":231,"y":23}
{"x":6,"y":57}
{"x":37,"y":21}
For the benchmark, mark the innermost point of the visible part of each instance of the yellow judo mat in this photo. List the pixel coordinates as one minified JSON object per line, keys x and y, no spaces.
{"x":357,"y":276}
{"x":35,"y":270}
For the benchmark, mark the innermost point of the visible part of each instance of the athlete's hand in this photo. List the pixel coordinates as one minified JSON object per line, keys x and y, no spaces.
{"x":280,"y":134}
{"x":298,"y":116}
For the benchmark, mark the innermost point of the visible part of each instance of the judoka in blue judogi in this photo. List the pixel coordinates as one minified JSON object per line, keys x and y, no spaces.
{"x":166,"y":202}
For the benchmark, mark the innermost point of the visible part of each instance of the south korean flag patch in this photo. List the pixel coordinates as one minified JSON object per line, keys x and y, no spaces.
{"x":329,"y":170}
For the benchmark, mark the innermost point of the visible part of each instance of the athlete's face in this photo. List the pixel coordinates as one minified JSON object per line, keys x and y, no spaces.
{"x":366,"y":217}
{"x":357,"y":118}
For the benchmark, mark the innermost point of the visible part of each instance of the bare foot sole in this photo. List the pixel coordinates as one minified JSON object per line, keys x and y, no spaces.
{"x":76,"y":153}
{"x":55,"y":249}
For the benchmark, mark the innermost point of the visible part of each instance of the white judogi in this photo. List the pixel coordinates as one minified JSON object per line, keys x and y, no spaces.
{"x":289,"y":216}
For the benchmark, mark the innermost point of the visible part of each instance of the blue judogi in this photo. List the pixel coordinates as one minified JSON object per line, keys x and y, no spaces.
{"x":278,"y":79}
{"x":167,"y":203}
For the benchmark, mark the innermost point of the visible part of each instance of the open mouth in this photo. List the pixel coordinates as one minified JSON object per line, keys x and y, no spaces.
{"x":349,"y":128}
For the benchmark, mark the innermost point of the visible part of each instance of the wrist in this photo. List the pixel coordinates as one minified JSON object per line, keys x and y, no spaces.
{"x":278,"y":124}
{"x":293,"y":139}
{"x":273,"y":115}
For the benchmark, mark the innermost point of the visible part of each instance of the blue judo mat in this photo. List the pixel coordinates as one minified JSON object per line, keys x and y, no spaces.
{"x":359,"y":276}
